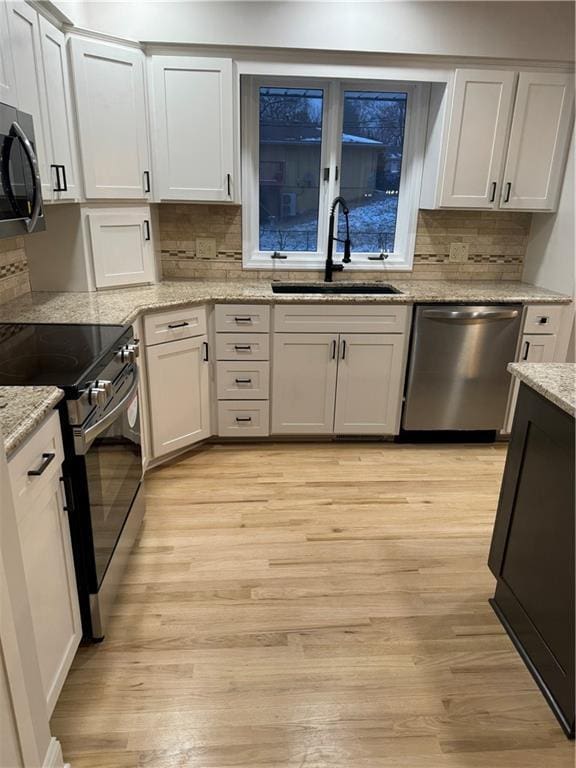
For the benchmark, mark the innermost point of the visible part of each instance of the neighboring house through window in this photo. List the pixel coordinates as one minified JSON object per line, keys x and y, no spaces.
{"x":306,"y":142}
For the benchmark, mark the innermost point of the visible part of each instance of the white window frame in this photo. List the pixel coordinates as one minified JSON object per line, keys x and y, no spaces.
{"x":410,"y":177}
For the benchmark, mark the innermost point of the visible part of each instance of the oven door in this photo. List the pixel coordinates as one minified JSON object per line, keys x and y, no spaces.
{"x":113,"y":463}
{"x":20,"y":186}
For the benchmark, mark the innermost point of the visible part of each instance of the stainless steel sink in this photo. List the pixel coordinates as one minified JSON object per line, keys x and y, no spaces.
{"x":334,"y":288}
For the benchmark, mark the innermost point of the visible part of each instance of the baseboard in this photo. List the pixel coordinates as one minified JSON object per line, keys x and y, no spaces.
{"x":54,"y":757}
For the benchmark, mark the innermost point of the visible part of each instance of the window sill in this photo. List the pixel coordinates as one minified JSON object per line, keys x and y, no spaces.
{"x":361,"y":264}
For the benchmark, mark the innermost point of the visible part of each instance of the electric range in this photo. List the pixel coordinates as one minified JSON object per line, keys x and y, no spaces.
{"x":95,"y":366}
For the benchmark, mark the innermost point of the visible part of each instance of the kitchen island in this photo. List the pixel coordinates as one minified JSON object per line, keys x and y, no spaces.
{"x":532,"y":551}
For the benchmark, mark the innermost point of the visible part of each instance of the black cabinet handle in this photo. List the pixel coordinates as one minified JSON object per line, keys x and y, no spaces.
{"x":228,"y":184}
{"x":243,"y":381}
{"x":508,"y":190}
{"x":542,"y":320}
{"x":493,"y":195}
{"x":343,"y":349}
{"x":146,"y":181}
{"x":183,"y":324}
{"x":242,"y":347}
{"x":205,"y":348}
{"x":333,"y":349}
{"x":336,"y":174}
{"x":48,"y":458}
{"x":58,"y":187}
{"x":64,"y":179}
{"x":146,"y":229}
{"x":526,"y":350}
{"x":243,"y":418}
{"x":243,"y":319}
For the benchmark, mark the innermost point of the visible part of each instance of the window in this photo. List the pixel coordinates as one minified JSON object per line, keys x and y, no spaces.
{"x":304,"y":143}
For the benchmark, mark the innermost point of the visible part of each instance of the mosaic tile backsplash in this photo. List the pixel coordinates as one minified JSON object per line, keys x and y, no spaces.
{"x":14,"y":280}
{"x":495,"y":242}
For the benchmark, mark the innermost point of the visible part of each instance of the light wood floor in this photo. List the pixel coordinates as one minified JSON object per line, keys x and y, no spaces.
{"x":307,"y":606}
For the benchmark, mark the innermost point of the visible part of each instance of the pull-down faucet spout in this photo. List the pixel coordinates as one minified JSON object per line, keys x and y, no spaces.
{"x":330,"y":266}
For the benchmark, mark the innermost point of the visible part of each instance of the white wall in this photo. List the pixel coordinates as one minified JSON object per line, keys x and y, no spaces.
{"x":522,"y":30}
{"x":550,"y":259}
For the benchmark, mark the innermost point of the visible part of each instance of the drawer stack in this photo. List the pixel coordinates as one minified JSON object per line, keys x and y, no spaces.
{"x":243,"y":369}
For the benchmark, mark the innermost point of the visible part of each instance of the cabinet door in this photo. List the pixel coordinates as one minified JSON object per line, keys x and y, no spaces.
{"x":7,"y":79}
{"x":304,"y":383}
{"x":59,"y":112}
{"x":49,"y":567}
{"x":110,"y":99}
{"x":479,"y":119}
{"x":369,"y":388}
{"x":25,"y":41}
{"x":539,"y":140}
{"x":179,"y":392}
{"x":122,"y":249}
{"x":193,"y":127}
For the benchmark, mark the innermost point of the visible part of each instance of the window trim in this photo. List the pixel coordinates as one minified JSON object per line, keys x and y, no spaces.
{"x":410,"y":177}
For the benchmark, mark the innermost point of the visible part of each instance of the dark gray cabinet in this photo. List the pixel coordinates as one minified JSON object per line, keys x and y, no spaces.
{"x":532,"y":552}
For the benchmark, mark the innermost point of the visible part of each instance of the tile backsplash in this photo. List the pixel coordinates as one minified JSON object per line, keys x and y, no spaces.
{"x":493,"y":245}
{"x":14,"y":281}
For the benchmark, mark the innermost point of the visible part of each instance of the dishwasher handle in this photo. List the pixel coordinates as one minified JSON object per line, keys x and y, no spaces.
{"x":482,"y":314}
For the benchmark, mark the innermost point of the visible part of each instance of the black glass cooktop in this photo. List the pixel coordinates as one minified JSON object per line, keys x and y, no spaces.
{"x":33,"y":354}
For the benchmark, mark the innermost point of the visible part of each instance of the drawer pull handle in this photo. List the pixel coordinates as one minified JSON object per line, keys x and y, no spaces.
{"x":242,"y":347}
{"x":542,"y":320}
{"x":48,"y":458}
{"x":205,"y":353}
{"x":183,"y":324}
{"x":243,"y":381}
{"x":243,"y":418}
{"x":243,"y":319}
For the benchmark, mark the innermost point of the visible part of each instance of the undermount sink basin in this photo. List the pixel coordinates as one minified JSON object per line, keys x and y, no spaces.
{"x":334,"y":288}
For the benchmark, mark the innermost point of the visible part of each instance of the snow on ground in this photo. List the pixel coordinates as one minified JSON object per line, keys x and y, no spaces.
{"x":372,"y":226}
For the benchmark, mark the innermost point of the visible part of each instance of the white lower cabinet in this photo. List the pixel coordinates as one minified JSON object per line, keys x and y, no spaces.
{"x":304,"y":371}
{"x":369,"y":386}
{"x":179,"y":393}
{"x":47,"y":554}
{"x":337,"y":383}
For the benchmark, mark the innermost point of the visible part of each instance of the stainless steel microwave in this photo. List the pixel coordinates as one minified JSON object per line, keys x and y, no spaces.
{"x":20,"y":186}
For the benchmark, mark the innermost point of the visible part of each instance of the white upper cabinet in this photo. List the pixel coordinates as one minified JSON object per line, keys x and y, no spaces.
{"x":122,"y":249}
{"x":58,"y":116}
{"x":25,"y":42}
{"x":481,"y":106}
{"x":111,"y":104}
{"x":539,"y":140}
{"x":193,"y":135}
{"x":497,"y":139}
{"x":7,"y":79}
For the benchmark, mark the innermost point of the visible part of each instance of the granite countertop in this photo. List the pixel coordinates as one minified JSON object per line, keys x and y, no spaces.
{"x":124,"y":305}
{"x":22,"y":410}
{"x":555,"y":381}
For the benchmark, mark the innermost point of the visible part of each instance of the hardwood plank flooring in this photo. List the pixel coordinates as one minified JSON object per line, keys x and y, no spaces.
{"x":307,"y":606}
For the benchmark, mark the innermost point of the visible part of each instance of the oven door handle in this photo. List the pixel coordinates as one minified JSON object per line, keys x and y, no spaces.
{"x":32,"y":220}
{"x":92,"y":432}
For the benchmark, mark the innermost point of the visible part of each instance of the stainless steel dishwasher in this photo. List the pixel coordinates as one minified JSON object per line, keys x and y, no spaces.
{"x":457,"y":377}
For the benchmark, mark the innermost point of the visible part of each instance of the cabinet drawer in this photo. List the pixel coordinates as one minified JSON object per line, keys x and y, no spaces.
{"x":238,"y":419}
{"x":242,"y":381}
{"x":543,"y":319}
{"x":243,"y":317}
{"x":245,"y":346}
{"x":177,"y":324}
{"x":35,"y":454}
{"x":322,"y":318}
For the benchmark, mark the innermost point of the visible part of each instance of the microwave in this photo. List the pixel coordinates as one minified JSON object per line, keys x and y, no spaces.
{"x":20,"y":186}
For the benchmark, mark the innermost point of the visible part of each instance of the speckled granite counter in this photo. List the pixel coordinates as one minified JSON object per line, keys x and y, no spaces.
{"x":22,"y":410}
{"x":555,"y":381}
{"x":124,"y":305}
